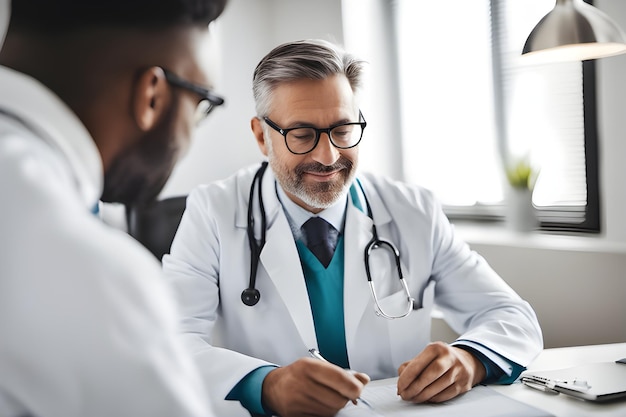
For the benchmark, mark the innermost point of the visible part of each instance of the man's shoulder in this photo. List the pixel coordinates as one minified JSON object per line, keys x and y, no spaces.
{"x":44,"y":215}
{"x":32,"y":164}
{"x":54,"y":237}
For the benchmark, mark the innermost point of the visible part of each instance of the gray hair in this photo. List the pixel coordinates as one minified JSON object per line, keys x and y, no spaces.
{"x":313,"y":59}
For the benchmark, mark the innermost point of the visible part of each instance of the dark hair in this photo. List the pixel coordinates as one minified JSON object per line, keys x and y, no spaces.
{"x":55,"y":16}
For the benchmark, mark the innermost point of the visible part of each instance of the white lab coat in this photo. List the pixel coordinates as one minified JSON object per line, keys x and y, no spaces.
{"x":210,"y":261}
{"x":87,"y":326}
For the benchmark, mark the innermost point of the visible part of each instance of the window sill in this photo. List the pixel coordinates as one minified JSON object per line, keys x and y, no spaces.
{"x":498,"y":234}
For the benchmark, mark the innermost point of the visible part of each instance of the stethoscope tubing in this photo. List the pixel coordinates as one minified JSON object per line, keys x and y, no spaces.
{"x":376,"y":243}
{"x":251,"y":295}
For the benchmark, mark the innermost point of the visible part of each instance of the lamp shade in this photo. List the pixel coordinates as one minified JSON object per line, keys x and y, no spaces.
{"x":574,"y":31}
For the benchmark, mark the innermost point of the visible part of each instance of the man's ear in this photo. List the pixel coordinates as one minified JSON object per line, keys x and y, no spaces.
{"x":151,"y":98}
{"x":257,"y":130}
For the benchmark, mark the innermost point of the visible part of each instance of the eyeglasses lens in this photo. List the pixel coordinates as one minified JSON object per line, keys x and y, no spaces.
{"x":302,"y":140}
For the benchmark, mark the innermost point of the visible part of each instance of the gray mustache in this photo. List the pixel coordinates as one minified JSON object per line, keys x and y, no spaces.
{"x":342,"y":163}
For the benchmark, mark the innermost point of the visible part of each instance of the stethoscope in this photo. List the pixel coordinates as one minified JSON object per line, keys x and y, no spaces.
{"x":251,"y":295}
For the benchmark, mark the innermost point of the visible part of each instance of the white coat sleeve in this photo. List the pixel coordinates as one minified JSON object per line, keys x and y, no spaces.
{"x":193,"y":270}
{"x":89,"y":327}
{"x":477,"y":303}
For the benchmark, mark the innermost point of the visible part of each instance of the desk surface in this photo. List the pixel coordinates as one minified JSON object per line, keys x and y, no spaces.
{"x":564,"y":405}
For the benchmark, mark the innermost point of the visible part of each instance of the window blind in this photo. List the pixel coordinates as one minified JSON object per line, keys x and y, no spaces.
{"x":470,"y":104}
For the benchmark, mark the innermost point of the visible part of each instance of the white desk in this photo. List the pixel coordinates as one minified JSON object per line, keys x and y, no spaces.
{"x":564,"y":405}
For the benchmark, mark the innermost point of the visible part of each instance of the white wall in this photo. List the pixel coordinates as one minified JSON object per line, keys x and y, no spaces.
{"x":576,"y":284}
{"x":577,"y":295}
{"x":612,"y":121}
{"x":576,"y":287}
{"x":248,"y":30}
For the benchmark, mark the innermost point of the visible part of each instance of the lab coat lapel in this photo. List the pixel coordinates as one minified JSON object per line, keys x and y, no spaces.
{"x":280,"y":259}
{"x":356,"y":293}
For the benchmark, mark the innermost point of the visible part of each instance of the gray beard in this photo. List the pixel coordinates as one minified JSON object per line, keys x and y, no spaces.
{"x":321,"y":196}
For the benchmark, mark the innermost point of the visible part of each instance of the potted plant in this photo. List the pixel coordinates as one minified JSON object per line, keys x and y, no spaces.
{"x":521,"y":176}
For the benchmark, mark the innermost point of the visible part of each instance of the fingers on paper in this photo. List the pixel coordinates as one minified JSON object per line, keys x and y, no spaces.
{"x":432,"y":376}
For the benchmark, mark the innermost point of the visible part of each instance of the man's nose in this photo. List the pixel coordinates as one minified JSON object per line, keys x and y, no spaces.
{"x":325,"y":152}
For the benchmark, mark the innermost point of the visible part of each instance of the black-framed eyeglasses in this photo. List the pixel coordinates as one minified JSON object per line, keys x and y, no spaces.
{"x":301,"y":140}
{"x":208,"y":100}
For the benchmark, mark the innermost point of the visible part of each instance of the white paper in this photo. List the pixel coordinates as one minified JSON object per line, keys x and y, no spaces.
{"x":481,"y":401}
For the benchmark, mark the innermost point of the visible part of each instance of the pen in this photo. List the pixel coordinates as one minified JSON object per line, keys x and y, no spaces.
{"x":555,"y":386}
{"x":538,"y":386}
{"x":317,"y":355}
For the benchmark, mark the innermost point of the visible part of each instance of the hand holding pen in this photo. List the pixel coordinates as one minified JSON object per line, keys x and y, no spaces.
{"x":317,"y":355}
{"x":310,"y":387}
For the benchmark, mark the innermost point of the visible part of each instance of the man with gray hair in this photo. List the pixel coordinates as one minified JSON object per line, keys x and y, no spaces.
{"x":305,"y":254}
{"x":97,"y":102}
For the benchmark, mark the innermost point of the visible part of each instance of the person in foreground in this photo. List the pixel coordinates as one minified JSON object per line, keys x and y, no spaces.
{"x":267,"y":316}
{"x":93,"y":104}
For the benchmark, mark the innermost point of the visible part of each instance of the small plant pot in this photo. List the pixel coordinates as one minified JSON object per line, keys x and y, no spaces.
{"x":521,"y":215}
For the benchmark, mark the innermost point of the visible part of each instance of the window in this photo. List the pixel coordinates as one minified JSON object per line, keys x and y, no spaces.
{"x":469,"y":105}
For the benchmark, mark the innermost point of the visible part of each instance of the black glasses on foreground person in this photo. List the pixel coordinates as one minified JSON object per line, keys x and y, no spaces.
{"x":301,"y":140}
{"x":208,"y":100}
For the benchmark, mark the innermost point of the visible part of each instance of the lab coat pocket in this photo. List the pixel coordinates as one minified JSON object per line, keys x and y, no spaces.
{"x":427,"y":297}
{"x":396,"y":303}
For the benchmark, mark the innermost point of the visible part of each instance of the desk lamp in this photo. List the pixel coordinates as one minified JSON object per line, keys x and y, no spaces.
{"x":573,"y":31}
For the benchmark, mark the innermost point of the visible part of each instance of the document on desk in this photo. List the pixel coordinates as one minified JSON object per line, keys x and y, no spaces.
{"x":480,"y":401}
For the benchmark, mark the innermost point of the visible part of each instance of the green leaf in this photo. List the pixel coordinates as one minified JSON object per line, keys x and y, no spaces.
{"x":521,"y":174}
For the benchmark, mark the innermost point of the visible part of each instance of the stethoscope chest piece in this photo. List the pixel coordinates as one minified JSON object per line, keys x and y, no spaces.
{"x":250,"y":296}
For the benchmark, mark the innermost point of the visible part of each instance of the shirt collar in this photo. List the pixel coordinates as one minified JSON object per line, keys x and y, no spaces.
{"x":50,"y":118}
{"x":334,"y":214}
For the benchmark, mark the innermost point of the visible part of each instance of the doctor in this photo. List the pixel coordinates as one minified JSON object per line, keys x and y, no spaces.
{"x":251,"y":277}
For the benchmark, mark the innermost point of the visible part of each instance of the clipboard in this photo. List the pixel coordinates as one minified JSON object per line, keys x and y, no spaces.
{"x":599,"y":381}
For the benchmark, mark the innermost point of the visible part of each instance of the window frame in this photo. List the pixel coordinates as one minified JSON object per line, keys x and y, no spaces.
{"x":591,"y":215}
{"x":591,"y":222}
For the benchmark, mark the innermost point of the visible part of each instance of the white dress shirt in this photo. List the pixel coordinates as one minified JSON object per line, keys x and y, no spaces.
{"x":297,"y":216}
